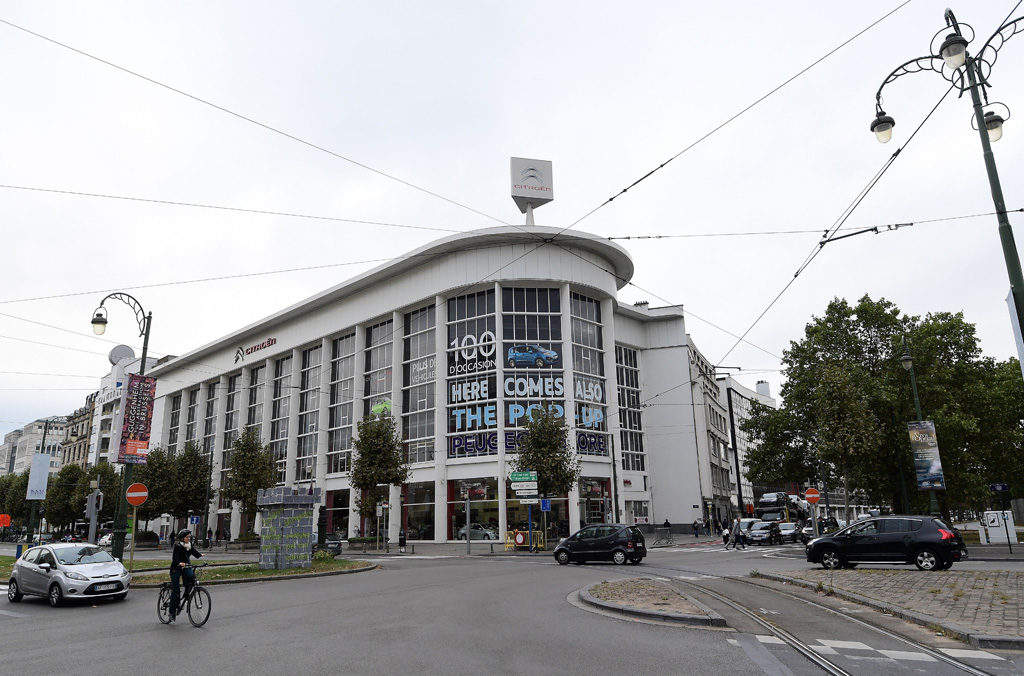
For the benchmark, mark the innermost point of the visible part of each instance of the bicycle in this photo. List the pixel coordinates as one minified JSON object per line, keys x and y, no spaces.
{"x":196,"y":602}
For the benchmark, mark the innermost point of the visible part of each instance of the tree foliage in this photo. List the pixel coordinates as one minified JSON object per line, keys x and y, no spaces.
{"x":109,"y":482}
{"x":62,"y":510}
{"x":191,"y":482}
{"x":158,"y":475}
{"x":379,"y":461}
{"x":544,"y":448}
{"x":847,"y":400}
{"x":252,"y":469}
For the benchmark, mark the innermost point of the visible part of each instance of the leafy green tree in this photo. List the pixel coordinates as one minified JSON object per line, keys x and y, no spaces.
{"x":379,"y":461}
{"x":252,"y":469}
{"x":544,"y":448}
{"x":848,"y":365}
{"x":109,"y":484}
{"x":16,"y":505}
{"x":62,"y":510}
{"x":158,"y":476}
{"x":191,"y":482}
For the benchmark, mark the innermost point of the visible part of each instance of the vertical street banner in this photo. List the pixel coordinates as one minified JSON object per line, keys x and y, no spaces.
{"x":136,"y":419}
{"x":927,"y":465}
{"x":37,"y":475}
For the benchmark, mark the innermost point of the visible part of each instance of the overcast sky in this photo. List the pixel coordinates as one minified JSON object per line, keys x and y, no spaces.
{"x":401,"y":118}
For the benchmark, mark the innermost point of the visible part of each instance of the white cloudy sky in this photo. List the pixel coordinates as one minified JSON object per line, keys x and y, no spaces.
{"x":440,"y":95}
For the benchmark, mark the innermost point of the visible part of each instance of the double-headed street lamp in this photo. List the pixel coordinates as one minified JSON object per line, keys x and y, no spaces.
{"x":970,"y":73}
{"x":99,"y":325}
{"x":908,"y":363}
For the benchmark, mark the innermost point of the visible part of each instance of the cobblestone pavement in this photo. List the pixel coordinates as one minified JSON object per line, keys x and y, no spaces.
{"x":984,"y":602}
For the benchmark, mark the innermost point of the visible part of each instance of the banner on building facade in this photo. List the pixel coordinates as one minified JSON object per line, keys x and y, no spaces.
{"x":38,"y":473}
{"x":925,"y":446}
{"x":136,"y":419}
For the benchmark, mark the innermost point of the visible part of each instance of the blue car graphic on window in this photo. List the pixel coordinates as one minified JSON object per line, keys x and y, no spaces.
{"x":530,"y":355}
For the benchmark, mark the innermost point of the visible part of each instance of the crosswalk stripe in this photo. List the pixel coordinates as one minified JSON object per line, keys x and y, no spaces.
{"x":907,"y":655}
{"x":977,"y":654}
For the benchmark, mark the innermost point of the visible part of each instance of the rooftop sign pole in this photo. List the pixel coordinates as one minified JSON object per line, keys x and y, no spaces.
{"x":531,"y":185}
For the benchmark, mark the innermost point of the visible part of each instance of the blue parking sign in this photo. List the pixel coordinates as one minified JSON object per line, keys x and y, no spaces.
{"x":545,"y":505}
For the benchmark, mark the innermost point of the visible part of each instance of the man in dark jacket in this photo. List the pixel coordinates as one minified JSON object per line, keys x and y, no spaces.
{"x":183,"y":549}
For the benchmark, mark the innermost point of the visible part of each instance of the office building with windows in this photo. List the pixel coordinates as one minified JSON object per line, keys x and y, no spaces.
{"x":460,"y":341}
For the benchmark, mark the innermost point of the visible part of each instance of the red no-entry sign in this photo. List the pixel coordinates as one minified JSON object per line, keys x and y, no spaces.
{"x":137,"y":494}
{"x":812,"y":495}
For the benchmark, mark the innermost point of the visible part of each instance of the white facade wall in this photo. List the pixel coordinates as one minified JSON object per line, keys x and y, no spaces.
{"x":737,"y":399}
{"x":493,"y":260}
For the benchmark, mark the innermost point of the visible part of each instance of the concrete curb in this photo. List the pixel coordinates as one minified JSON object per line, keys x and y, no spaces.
{"x":710,"y":618}
{"x":268,"y":578}
{"x":963,"y":633}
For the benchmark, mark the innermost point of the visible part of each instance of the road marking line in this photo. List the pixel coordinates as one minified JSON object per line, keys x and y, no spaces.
{"x":12,"y":614}
{"x":774,"y":640}
{"x":849,"y":645}
{"x":907,"y":655}
{"x":977,"y":654}
{"x":823,"y":650}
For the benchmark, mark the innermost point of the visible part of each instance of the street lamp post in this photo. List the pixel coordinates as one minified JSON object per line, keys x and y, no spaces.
{"x":970,"y":73}
{"x":99,"y":325}
{"x":908,"y":363}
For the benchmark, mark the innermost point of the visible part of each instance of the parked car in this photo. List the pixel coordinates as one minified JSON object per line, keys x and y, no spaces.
{"x":478,"y":531}
{"x":531,"y":355}
{"x":67,"y":570}
{"x":332,"y":543}
{"x":788,"y":532}
{"x":763,"y":533}
{"x":925,"y":541}
{"x":825,"y":526}
{"x":615,"y":542}
{"x":42,"y":539}
{"x":105,"y":540}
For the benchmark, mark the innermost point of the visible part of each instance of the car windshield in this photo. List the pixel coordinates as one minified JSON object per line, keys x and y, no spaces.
{"x":70,"y":556}
{"x":787,"y":526}
{"x":763,"y":525}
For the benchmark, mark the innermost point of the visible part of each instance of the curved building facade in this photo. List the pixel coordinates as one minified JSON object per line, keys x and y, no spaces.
{"x":460,"y":341}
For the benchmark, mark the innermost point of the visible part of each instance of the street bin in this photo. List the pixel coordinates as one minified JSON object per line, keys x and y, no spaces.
{"x":18,"y":550}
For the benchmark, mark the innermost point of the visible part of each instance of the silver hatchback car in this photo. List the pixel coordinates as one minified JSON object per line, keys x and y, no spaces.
{"x":68,"y":570}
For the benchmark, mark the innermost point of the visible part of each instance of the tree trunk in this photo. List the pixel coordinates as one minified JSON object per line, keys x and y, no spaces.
{"x":846,"y":489}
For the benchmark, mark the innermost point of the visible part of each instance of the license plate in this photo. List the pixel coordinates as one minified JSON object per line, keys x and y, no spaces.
{"x":105,"y":587}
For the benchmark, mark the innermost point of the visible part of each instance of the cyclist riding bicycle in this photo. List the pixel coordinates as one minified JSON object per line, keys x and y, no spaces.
{"x":183,"y":549}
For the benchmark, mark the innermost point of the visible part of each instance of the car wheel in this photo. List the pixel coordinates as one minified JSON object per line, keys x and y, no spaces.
{"x":487,"y":537}
{"x":56,"y":596}
{"x":13,"y":595}
{"x":618,"y":557}
{"x":830,"y":559}
{"x":925,"y":559}
{"x":538,"y":362}
{"x":636,"y":560}
{"x":511,"y":363}
{"x":562,"y":557}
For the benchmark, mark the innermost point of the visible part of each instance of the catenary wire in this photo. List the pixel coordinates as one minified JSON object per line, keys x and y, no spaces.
{"x":736,"y":116}
{"x":830,"y":233}
{"x":255,"y":122}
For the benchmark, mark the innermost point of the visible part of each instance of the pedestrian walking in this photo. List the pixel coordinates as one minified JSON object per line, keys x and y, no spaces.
{"x":736,"y":535}
{"x":217,"y":535}
{"x":696,"y":528}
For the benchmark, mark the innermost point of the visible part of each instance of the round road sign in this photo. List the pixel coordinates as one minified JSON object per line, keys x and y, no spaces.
{"x":137,"y":494}
{"x":812,"y":496}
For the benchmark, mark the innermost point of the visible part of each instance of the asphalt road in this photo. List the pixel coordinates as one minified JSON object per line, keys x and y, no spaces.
{"x":451,"y":616}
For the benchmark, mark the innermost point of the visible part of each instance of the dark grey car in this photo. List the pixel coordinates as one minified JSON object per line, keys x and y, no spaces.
{"x":67,"y":570}
{"x":603,"y":542}
{"x":925,"y":541}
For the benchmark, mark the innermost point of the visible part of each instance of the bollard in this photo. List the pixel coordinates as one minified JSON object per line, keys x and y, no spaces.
{"x":18,"y":550}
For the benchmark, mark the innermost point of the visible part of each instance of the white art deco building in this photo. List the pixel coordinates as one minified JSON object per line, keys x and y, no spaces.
{"x":460,"y":339}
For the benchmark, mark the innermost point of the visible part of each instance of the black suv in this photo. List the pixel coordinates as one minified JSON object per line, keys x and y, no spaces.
{"x":603,"y":542}
{"x":925,"y":541}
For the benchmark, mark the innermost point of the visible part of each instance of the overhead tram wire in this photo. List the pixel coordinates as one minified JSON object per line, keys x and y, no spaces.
{"x":262,"y":212}
{"x":830,"y":234}
{"x":256,"y":122}
{"x":733,"y":118}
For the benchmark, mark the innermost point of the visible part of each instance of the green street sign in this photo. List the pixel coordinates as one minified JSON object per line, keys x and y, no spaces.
{"x":523,"y":476}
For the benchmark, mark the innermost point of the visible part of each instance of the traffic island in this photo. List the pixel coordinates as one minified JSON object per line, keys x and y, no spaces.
{"x":650,"y":599}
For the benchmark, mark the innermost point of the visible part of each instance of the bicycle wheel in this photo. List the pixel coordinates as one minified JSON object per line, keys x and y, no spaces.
{"x":199,"y":607}
{"x":163,"y":605}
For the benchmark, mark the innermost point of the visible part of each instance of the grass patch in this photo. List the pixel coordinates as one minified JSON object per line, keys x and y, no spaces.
{"x":6,"y":566}
{"x":251,"y":570}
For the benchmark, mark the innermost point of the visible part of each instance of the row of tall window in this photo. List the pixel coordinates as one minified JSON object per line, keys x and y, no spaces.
{"x":531,"y":354}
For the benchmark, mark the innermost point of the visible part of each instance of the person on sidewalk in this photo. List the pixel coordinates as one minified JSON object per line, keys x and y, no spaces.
{"x":696,"y":528}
